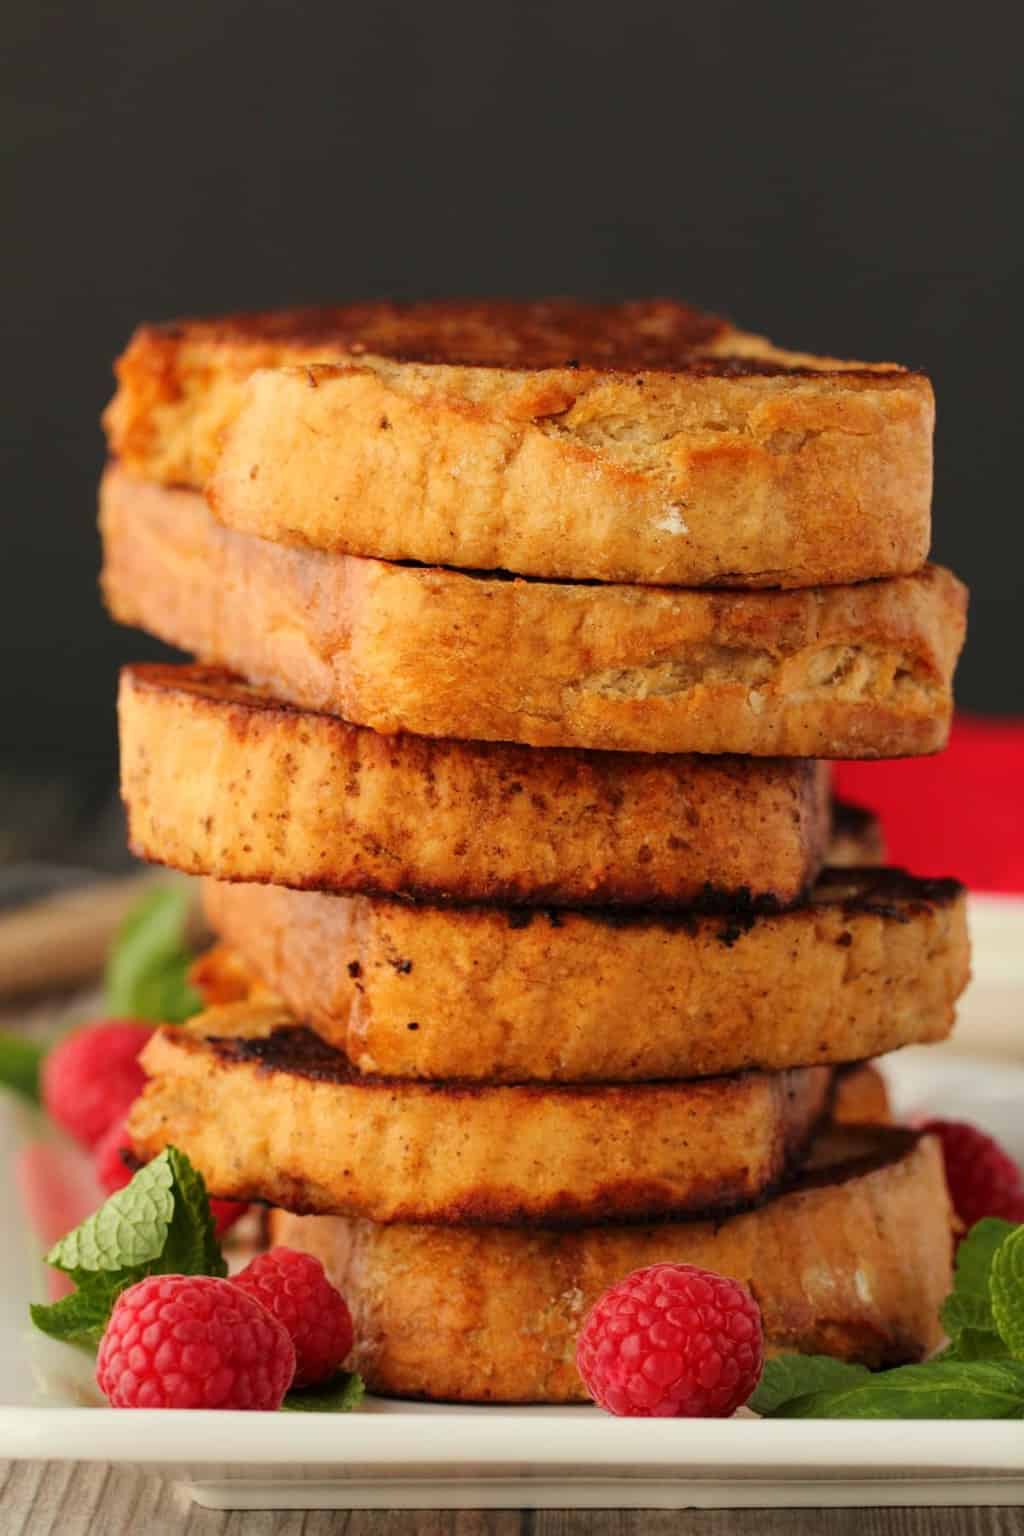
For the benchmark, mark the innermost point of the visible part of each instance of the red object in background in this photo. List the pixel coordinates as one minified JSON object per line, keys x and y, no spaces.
{"x":92,"y":1076}
{"x":959,"y":813}
{"x":58,"y":1190}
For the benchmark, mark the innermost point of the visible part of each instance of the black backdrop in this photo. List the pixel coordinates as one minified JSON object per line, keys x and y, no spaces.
{"x":844,"y":178}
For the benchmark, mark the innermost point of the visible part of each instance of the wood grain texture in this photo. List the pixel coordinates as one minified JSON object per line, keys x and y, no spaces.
{"x":62,"y":1499}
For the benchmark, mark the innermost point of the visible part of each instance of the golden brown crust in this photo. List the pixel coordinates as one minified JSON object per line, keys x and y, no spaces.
{"x":696,"y":482}
{"x":267,"y":1111}
{"x":856,"y":1268}
{"x":220,"y":779}
{"x":875,"y":962}
{"x":853,"y":671}
{"x":636,"y":442}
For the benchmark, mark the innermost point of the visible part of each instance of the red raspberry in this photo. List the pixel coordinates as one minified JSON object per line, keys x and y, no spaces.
{"x":672,"y":1341}
{"x":91,"y":1078}
{"x":113,"y":1172}
{"x":294,"y":1287}
{"x":225,"y":1213}
{"x":109,"y":1166}
{"x":190,"y":1341}
{"x":983,"y":1179}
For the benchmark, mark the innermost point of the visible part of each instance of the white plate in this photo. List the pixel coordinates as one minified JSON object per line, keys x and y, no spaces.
{"x":402,"y":1456}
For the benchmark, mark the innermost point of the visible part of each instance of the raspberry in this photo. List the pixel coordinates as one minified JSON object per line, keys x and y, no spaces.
{"x":983,"y":1179}
{"x":294,"y":1287}
{"x":113,"y":1172}
{"x":225,"y":1213}
{"x":190,"y":1341}
{"x":672,"y":1341}
{"x":91,"y":1078}
{"x":109,"y":1166}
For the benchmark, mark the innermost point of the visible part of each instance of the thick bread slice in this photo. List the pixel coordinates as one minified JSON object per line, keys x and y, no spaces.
{"x":220,"y":779}
{"x":860,"y":1095}
{"x":854,"y":671}
{"x":222,"y":976}
{"x":266,"y":1110}
{"x":637,"y":442}
{"x":876,"y":961}
{"x":853,"y":1262}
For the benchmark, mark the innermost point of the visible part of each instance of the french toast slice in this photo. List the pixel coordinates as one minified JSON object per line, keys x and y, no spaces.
{"x":843,"y":671}
{"x":874,"y":961}
{"x":266,"y":1110}
{"x":224,"y":780}
{"x":636,"y":442}
{"x":853,"y":1260}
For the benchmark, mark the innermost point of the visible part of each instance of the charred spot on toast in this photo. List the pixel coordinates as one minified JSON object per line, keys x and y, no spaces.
{"x":885,"y":892}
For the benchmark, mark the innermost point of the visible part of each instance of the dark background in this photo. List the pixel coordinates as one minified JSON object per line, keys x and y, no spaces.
{"x":844,"y":178}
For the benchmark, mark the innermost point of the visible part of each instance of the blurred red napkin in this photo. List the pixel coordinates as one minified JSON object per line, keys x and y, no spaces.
{"x":960,"y":813}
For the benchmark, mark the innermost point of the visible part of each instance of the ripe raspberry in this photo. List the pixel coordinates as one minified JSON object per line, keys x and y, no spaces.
{"x":91,"y":1078}
{"x":225,"y":1213}
{"x":672,"y":1341}
{"x":110,"y":1168}
{"x":190,"y":1341}
{"x":113,"y":1172}
{"x":983,"y":1179}
{"x":294,"y":1287}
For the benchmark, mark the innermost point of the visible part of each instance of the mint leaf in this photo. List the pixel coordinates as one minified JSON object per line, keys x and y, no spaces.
{"x":340,"y":1394}
{"x":1006,"y":1288}
{"x":786,"y":1377}
{"x":970,"y":1306}
{"x":191,"y":1247}
{"x":129,"y":1230}
{"x":975,"y":1344}
{"x":20,"y":1063}
{"x":146,"y":975}
{"x":159,"y":1224}
{"x":982,"y":1389}
{"x":76,"y":1319}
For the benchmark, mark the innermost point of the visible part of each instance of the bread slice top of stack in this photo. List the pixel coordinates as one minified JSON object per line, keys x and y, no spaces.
{"x":635,"y":442}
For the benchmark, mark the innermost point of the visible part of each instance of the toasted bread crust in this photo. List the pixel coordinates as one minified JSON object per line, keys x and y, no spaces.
{"x":856,"y":1268}
{"x":397,"y":464}
{"x":492,"y":435}
{"x":267,"y":1111}
{"x":875,"y":962}
{"x":856,"y":671}
{"x":222,"y":780}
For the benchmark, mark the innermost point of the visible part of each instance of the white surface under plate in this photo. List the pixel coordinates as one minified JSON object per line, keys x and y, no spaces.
{"x":395,"y":1456}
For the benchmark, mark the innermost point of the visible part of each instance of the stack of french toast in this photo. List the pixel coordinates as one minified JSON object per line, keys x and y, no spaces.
{"x":523,"y":635}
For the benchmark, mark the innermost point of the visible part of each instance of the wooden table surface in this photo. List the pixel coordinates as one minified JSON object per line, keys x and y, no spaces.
{"x":55,"y":1499}
{"x":73,"y":1500}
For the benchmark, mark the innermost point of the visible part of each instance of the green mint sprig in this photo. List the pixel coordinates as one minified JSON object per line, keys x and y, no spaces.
{"x":343,"y":1392}
{"x":21,"y":1062}
{"x":147,"y":968}
{"x":979,"y":1376}
{"x":159,"y":1224}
